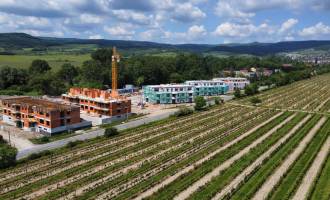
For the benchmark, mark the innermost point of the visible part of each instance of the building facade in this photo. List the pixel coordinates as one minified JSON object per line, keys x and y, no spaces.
{"x":168,"y":94}
{"x":208,"y":87}
{"x":234,"y":83}
{"x":39,"y":115}
{"x":183,"y":93}
{"x":99,"y":103}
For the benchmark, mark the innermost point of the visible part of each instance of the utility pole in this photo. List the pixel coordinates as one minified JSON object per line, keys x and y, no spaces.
{"x":9,"y":137}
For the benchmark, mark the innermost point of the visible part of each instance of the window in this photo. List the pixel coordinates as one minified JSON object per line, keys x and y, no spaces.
{"x":5,"y":111}
{"x":68,"y":112}
{"x":68,"y":121}
{"x":41,"y":121}
{"x":118,"y":111}
{"x":41,"y":113}
{"x":47,"y":123}
{"x":47,"y":114}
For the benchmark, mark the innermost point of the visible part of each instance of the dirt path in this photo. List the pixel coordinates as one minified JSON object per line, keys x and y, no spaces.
{"x":311,"y":174}
{"x":215,"y":172}
{"x":141,"y":177}
{"x":279,"y":172}
{"x":192,"y":166}
{"x":240,"y":178}
{"x":322,"y":104}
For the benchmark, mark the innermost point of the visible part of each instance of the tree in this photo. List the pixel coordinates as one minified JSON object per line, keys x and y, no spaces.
{"x":39,"y":66}
{"x":93,"y":72}
{"x":110,"y":132}
{"x":200,"y":103}
{"x":251,"y":89}
{"x":10,"y":76}
{"x":67,"y":73}
{"x":103,"y":55}
{"x":7,"y":156}
{"x":139,"y":81}
{"x":237,"y":93}
{"x":176,"y":78}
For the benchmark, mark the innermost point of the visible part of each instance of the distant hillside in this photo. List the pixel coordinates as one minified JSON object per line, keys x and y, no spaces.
{"x":272,"y":48}
{"x":12,"y":41}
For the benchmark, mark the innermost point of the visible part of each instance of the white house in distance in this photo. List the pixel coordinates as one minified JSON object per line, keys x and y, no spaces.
{"x":234,"y":83}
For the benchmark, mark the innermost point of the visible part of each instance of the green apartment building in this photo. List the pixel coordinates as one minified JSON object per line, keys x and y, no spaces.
{"x":168,"y":94}
{"x":182,"y":93}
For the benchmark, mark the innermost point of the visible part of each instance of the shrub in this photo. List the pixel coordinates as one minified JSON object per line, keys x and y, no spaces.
{"x":7,"y":156}
{"x":39,"y":155}
{"x":255,"y":100}
{"x":73,"y":143}
{"x":110,"y":132}
{"x":218,"y":100}
{"x":237,"y":93}
{"x":44,"y":139}
{"x":200,"y":103}
{"x":183,"y":112}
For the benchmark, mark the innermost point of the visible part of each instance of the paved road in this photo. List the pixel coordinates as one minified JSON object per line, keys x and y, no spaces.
{"x":92,"y":134}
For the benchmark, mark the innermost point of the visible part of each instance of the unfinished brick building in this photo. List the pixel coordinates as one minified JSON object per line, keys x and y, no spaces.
{"x":41,"y":115}
{"x":99,"y":103}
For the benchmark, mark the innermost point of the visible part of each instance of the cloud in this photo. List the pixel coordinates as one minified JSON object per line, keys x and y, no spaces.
{"x":317,"y":31}
{"x":196,"y":32}
{"x":134,"y":17}
{"x":94,"y":37}
{"x":139,"y":5}
{"x":187,"y":12}
{"x":233,"y":32}
{"x":287,"y":25}
{"x":33,"y":8}
{"x":225,"y":9}
{"x":122,"y":31}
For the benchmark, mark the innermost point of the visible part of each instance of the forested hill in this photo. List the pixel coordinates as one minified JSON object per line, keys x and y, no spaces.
{"x":13,"y":41}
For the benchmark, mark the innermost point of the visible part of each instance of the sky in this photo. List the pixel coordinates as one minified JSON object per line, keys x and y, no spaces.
{"x":170,"y":21}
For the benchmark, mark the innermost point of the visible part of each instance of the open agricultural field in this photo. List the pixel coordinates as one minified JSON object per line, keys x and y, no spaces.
{"x":54,"y":60}
{"x":278,"y":150}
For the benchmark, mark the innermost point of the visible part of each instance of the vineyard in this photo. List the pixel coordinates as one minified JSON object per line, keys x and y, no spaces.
{"x":279,"y":149}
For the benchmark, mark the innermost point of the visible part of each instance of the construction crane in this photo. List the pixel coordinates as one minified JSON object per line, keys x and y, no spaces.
{"x":115,"y":60}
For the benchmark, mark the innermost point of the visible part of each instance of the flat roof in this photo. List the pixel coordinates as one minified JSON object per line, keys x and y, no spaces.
{"x":168,"y":85}
{"x":38,"y":103}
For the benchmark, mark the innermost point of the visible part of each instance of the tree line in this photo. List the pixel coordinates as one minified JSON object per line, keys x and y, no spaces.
{"x":40,"y":79}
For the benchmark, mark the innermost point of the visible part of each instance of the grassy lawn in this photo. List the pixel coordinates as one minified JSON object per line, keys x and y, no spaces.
{"x":54,"y":60}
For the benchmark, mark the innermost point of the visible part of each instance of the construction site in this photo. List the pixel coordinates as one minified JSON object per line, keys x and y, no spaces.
{"x":101,"y":106}
{"x":43,"y":116}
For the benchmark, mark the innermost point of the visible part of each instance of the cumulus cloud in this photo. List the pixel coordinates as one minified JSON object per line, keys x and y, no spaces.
{"x":196,"y":32}
{"x":187,"y":12}
{"x":319,"y":30}
{"x":287,"y":25}
{"x":174,"y":21}
{"x":122,"y":31}
{"x":233,"y":32}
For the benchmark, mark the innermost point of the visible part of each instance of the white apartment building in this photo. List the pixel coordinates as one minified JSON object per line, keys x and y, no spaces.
{"x":234,"y":83}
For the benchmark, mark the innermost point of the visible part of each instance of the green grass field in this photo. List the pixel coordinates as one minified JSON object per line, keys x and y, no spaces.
{"x":54,"y":60}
